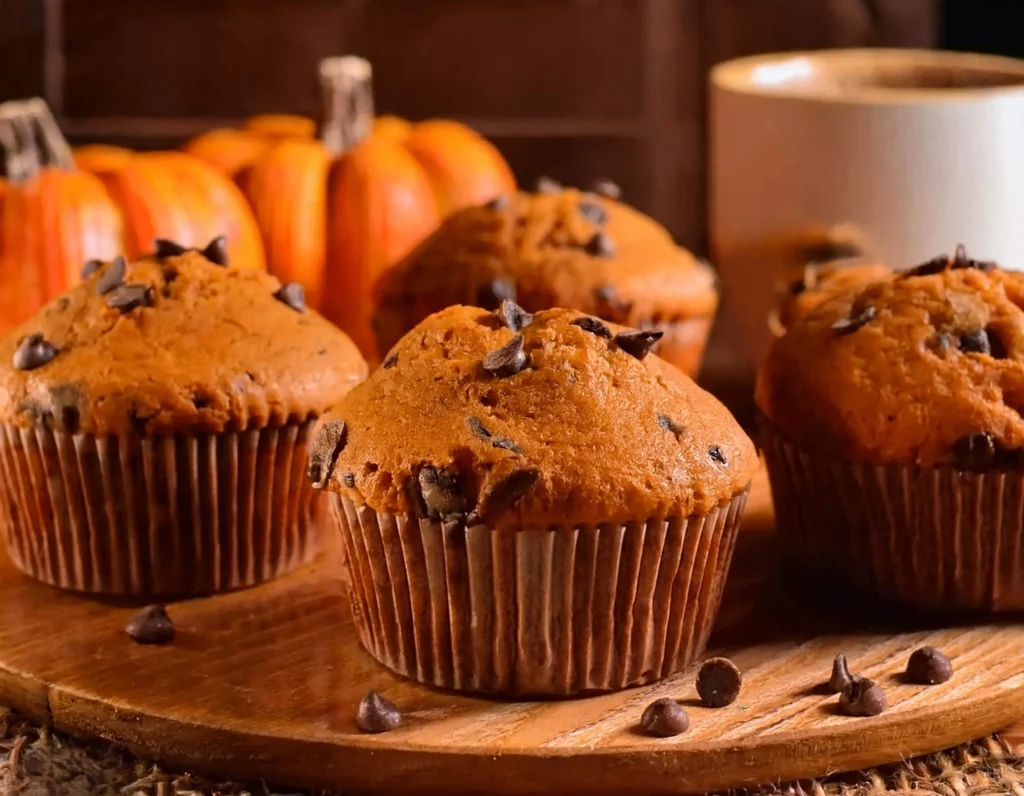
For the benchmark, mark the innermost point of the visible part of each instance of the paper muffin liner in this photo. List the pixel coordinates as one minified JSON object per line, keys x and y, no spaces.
{"x":535,"y":613}
{"x":177,"y":515}
{"x":683,"y":342}
{"x":933,"y":537}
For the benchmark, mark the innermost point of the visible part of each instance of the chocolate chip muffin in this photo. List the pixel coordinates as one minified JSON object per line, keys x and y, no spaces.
{"x":533,"y":505}
{"x":556,"y":248}
{"x":820,"y":282}
{"x":153,"y":427}
{"x":893,"y":435}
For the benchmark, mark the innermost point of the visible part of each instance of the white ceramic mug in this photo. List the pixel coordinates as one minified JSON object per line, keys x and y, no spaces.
{"x":899,"y":153}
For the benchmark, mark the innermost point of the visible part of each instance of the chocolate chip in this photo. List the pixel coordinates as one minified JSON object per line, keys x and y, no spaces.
{"x":638,"y":343}
{"x":91,"y":267}
{"x":167,"y":248}
{"x":151,"y":625}
{"x":601,"y":245}
{"x":498,"y":203}
{"x":828,"y":250}
{"x":169,"y":274}
{"x":985,"y":265}
{"x":349,"y":480}
{"x":975,"y":451}
{"x":216,"y":250}
{"x":439,"y":492}
{"x":671,"y":425}
{"x":960,"y":258}
{"x":377,"y":714}
{"x":594,"y":326}
{"x":548,"y":185}
{"x":798,"y":287}
{"x":975,"y":342}
{"x":329,"y":442}
{"x":390,"y":362}
{"x":664,"y":718}
{"x":850,"y":325}
{"x":862,"y":697}
{"x":928,"y":666}
{"x":64,"y":400}
{"x":719,"y":682}
{"x":33,"y":352}
{"x":507,"y":492}
{"x":841,"y":676}
{"x":607,"y":188}
{"x":126,"y":298}
{"x":716,"y":454}
{"x":936,"y":265}
{"x":478,"y":428}
{"x":593,"y":212}
{"x":292,"y":295}
{"x":494,"y":292}
{"x":944,"y":341}
{"x":508,"y":360}
{"x":514,"y":316}
{"x":113,"y":277}
{"x":506,"y":444}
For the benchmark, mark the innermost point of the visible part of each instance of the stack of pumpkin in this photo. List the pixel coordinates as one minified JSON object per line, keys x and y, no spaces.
{"x":329,"y":207}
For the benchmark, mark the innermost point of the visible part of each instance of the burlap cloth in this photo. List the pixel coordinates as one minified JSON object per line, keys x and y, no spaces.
{"x":34,"y":761}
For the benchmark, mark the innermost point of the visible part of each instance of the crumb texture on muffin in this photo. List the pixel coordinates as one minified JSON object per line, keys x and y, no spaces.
{"x":173,"y":343}
{"x":923,"y":367}
{"x":821,"y":282}
{"x":560,"y":418}
{"x":563,"y":248}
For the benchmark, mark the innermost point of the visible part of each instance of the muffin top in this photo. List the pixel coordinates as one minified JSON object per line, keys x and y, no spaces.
{"x":171,"y":343}
{"x":823,"y":281}
{"x":559,"y":248}
{"x":531,"y":421}
{"x":923,"y":367}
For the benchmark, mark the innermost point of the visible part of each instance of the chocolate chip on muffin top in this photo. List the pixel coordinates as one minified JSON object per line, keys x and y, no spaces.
{"x":525,"y":428}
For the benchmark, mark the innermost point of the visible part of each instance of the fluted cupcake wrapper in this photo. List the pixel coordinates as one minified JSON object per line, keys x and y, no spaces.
{"x":933,"y":537}
{"x":177,"y":515}
{"x":535,"y":613}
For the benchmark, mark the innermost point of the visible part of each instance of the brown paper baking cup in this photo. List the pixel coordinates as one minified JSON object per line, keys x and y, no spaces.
{"x":683,"y":342}
{"x":165,"y":516}
{"x":933,"y":537}
{"x":535,"y":613}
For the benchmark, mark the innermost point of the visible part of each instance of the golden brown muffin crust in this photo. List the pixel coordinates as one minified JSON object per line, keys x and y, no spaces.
{"x":588,"y":431}
{"x":214,"y":350}
{"x":925,"y":367}
{"x":821,"y":282}
{"x":559,"y":249}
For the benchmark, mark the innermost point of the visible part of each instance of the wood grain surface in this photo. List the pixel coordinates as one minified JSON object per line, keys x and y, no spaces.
{"x":265,"y":683}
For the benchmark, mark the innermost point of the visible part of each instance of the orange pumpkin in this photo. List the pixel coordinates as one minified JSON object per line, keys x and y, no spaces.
{"x":53,"y":218}
{"x":227,"y":150}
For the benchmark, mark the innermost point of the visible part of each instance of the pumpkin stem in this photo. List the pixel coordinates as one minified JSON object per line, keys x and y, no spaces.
{"x":31,"y":139}
{"x":346,"y":102}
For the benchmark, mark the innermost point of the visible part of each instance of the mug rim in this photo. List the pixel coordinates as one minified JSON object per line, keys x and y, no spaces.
{"x":739,"y":75}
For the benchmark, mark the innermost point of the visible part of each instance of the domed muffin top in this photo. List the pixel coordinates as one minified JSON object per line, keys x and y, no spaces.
{"x":174,"y":343}
{"x":554,"y":249}
{"x":821,"y":282}
{"x":924,"y":367}
{"x":531,"y":421}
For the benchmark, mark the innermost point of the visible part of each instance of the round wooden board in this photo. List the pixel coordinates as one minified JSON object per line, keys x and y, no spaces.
{"x":265,"y":684}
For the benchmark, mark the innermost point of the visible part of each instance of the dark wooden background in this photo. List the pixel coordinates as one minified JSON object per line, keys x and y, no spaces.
{"x":571,"y":88}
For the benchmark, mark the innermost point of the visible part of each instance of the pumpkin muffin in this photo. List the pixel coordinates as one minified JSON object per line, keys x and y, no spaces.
{"x":893,"y":435}
{"x":153,"y":427}
{"x":533,"y":505}
{"x":819,"y":283}
{"x":556,"y":248}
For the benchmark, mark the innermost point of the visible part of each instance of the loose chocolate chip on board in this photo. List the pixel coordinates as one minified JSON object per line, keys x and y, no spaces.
{"x":329,"y":442}
{"x":126,"y":298}
{"x":91,"y":267}
{"x":390,"y":362}
{"x":928,"y":666}
{"x":514,"y":316}
{"x":671,"y":425}
{"x":508,"y":360}
{"x":664,"y":718}
{"x":151,"y":625}
{"x":607,"y":188}
{"x":349,"y":479}
{"x":33,"y":352}
{"x":719,"y":682}
{"x":841,"y":676}
{"x":507,"y":492}
{"x":292,"y":295}
{"x":936,"y":265}
{"x":377,"y":714}
{"x":216,"y":250}
{"x":862,"y":697}
{"x":601,"y":245}
{"x":167,"y":248}
{"x":439,"y":492}
{"x":548,"y":185}
{"x":490,"y":295}
{"x":854,"y":322}
{"x":113,"y":277}
{"x":594,"y":326}
{"x":975,"y":342}
{"x":498,"y":203}
{"x":638,"y":343}
{"x":716,"y":454}
{"x":593,"y":212}
{"x":975,"y":451}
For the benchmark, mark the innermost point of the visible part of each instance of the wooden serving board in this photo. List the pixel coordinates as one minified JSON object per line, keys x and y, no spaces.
{"x":265,"y":684}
